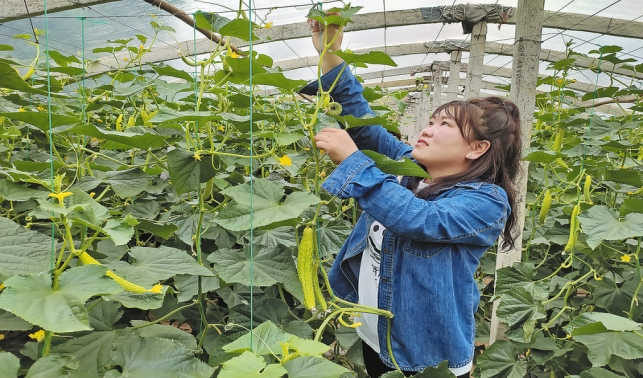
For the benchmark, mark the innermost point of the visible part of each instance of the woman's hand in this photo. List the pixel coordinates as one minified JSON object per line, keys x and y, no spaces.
{"x":329,"y":61}
{"x":336,"y":142}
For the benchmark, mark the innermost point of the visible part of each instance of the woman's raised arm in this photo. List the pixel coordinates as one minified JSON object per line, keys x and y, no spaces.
{"x":348,"y":93}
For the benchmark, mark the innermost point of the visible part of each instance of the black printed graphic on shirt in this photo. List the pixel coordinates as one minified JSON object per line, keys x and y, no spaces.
{"x":375,"y":235}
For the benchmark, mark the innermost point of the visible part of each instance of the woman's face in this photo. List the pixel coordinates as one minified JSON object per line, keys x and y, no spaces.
{"x":441,"y":148}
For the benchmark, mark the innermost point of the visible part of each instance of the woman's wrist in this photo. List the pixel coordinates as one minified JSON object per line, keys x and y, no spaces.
{"x":330,"y":61}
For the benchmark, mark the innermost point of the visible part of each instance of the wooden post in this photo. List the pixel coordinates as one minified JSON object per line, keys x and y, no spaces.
{"x":526,"y":55}
{"x":437,"y":88}
{"x":454,"y":75}
{"x":476,"y":60}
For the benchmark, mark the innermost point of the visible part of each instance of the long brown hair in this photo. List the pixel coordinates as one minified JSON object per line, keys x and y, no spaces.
{"x":498,"y":121}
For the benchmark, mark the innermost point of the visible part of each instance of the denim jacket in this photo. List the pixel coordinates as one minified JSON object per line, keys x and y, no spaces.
{"x":430,"y":249}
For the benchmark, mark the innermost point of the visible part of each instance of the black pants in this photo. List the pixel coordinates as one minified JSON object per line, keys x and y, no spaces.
{"x":375,"y":367}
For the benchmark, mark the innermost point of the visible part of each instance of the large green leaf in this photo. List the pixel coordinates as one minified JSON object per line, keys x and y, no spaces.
{"x":521,"y":275}
{"x":284,"y":235}
{"x":518,"y":309}
{"x":598,"y":373}
{"x":185,"y":171}
{"x":168,"y":90}
{"x":128,"y":183}
{"x":624,"y":176}
{"x":165,"y":70}
{"x":331,"y":237}
{"x":440,"y":371}
{"x":240,"y":71}
{"x":313,"y":367}
{"x":266,"y":205}
{"x":614,"y":298}
{"x":144,"y":301}
{"x":92,"y":352}
{"x":404,"y":167}
{"x":270,"y":265}
{"x":142,"y":140}
{"x":11,"y":322}
{"x":23,"y":251}
{"x":601,"y":346}
{"x":145,"y":357}
{"x":601,"y":223}
{"x":600,"y":129}
{"x":283,"y":139}
{"x":598,"y":322}
{"x":32,"y":298}
{"x":277,"y":79}
{"x":170,"y":333}
{"x":372,"y":57}
{"x":162,"y":230}
{"x":188,"y":285}
{"x":11,"y":191}
{"x":498,"y":361}
{"x":10,"y":79}
{"x":541,"y":156}
{"x":307,"y":347}
{"x":9,"y":365}
{"x":131,"y":88}
{"x":349,"y":121}
{"x":238,"y":28}
{"x":249,"y":365}
{"x":41,"y":119}
{"x":156,"y":264}
{"x":210,"y":21}
{"x":631,"y":205}
{"x":52,"y":366}
{"x":265,"y":340}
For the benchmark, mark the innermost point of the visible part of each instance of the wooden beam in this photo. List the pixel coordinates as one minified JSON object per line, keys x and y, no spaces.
{"x":448,"y":47}
{"x":15,"y":9}
{"x":437,"y":89}
{"x":486,"y":71}
{"x":476,"y":60}
{"x":454,"y":75}
{"x":187,"y":19}
{"x":369,"y":21}
{"x":523,"y":93}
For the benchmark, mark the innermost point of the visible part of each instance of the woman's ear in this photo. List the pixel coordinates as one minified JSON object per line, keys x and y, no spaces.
{"x":479,"y":149}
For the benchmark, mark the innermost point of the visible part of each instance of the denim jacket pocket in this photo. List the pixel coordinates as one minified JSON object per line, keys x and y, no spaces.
{"x":423,"y":249}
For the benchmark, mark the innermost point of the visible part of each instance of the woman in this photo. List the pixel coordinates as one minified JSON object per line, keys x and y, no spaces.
{"x":418,"y":242}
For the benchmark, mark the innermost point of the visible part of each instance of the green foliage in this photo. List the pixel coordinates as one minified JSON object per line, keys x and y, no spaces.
{"x":154,"y":183}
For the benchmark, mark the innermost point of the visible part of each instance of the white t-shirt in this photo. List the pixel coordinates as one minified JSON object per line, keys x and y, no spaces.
{"x":368,"y":288}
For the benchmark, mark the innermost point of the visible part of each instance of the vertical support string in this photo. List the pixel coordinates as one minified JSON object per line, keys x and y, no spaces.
{"x":30,"y":102}
{"x":318,"y":126}
{"x":589,"y":128}
{"x":82,"y":94}
{"x":48,"y":334}
{"x":51,"y":142}
{"x":251,"y":176}
{"x":203,"y":322}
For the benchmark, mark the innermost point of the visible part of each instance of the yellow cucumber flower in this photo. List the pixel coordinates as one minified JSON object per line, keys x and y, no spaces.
{"x":38,"y":336}
{"x":626,"y":258}
{"x":60,"y":196}
{"x":268,"y":25}
{"x":285,"y":160}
